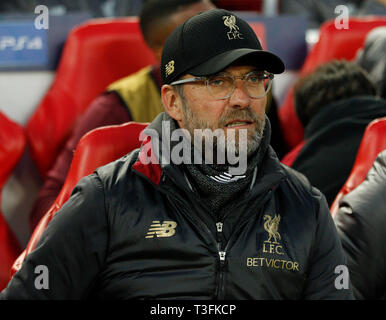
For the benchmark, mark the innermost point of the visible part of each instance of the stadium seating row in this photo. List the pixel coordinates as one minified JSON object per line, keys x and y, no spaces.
{"x":101,"y":51}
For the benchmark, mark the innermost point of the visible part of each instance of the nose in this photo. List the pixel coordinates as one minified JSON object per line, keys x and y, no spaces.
{"x":240,"y":98}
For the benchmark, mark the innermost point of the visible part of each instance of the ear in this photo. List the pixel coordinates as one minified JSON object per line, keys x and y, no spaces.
{"x":172,"y":102}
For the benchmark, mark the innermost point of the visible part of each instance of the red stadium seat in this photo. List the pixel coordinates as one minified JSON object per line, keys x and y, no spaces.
{"x":12,"y":144}
{"x":333,"y":44}
{"x":373,"y":142}
{"x":95,"y":54}
{"x":96,"y":148}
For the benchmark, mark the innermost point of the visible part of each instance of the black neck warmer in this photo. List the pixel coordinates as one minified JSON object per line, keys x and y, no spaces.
{"x":216,"y":187}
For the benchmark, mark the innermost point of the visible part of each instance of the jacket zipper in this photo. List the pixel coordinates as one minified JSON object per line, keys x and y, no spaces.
{"x":219,"y":291}
{"x":219,"y":226}
{"x":222,"y":256}
{"x":223,"y":252}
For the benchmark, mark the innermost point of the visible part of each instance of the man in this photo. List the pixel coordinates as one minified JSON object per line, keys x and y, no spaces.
{"x":334,"y":122}
{"x":151,"y":226}
{"x":133,"y":98}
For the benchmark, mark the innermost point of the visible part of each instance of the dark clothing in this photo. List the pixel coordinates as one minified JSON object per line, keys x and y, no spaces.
{"x":277,"y":140}
{"x":332,"y":141}
{"x":361,"y":223}
{"x":136,"y":230}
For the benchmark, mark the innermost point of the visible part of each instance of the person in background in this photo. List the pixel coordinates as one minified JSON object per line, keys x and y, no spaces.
{"x":372,"y":58}
{"x":133,"y":98}
{"x":334,"y":103}
{"x":361,"y":224}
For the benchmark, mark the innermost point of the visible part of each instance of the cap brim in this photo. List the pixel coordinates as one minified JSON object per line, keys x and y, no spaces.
{"x":263,"y":60}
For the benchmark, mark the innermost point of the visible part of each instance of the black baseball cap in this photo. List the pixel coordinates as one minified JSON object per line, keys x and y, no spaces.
{"x":211,"y":41}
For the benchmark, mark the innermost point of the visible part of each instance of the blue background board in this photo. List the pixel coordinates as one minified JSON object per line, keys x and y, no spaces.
{"x":53,"y":40}
{"x":21,"y":44}
{"x":285,"y":36}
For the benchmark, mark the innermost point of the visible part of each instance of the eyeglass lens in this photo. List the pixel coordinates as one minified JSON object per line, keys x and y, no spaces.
{"x":221,"y":86}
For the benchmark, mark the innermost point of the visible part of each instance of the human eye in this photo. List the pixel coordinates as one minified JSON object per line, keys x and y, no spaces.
{"x":255,"y":77}
{"x":217,"y":81}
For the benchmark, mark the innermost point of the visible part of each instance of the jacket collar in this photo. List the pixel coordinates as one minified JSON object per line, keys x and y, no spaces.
{"x":155,"y":166}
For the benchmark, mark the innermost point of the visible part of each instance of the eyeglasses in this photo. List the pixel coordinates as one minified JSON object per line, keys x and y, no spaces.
{"x":221,"y":86}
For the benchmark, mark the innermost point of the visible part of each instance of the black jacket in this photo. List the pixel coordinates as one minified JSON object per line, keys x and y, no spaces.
{"x":361,"y":223}
{"x":332,"y":141}
{"x":137,"y":231}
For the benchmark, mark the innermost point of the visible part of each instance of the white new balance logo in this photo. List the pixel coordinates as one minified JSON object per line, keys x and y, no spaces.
{"x":161,"y":230}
